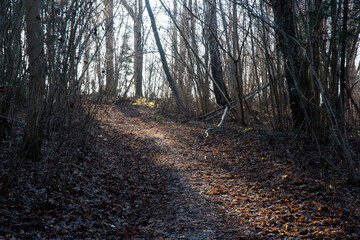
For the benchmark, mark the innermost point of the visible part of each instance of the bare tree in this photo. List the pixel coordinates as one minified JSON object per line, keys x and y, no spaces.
{"x":11,"y":62}
{"x":169,"y":77}
{"x":136,"y":14}
{"x":216,"y":68}
{"x":111,"y":82}
{"x":33,"y":135}
{"x":202,"y":81}
{"x":284,"y":17}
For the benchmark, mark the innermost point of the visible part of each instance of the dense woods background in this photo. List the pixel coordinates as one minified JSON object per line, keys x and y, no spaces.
{"x":289,"y":65}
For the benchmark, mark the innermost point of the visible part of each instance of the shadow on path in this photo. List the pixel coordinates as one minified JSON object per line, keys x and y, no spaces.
{"x":177,"y":206}
{"x":247,"y":187}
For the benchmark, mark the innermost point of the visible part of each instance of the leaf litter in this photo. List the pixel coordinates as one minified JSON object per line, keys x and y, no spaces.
{"x":140,"y":176}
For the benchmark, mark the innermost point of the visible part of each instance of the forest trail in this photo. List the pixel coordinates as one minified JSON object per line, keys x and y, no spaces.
{"x":218,"y":187}
{"x":142,"y":175}
{"x":193,"y":205}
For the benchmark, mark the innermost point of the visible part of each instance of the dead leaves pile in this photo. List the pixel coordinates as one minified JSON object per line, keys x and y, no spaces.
{"x":276,"y":194}
{"x":111,"y":188}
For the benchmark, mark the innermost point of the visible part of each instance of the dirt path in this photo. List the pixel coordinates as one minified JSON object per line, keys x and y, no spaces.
{"x":194,"y":208}
{"x":217,"y":188}
{"x":141,"y":175}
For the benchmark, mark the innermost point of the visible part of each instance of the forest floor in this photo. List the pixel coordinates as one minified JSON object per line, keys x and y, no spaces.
{"x":144,"y":175}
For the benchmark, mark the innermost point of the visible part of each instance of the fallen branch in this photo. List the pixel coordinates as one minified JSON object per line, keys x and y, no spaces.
{"x":220,"y":123}
{"x":231,"y":107}
{"x":218,"y":114}
{"x":210,"y":113}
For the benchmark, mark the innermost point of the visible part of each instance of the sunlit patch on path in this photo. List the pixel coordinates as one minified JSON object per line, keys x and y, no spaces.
{"x":217,"y":188}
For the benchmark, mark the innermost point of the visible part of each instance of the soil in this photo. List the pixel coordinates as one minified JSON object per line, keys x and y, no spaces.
{"x":145,"y":175}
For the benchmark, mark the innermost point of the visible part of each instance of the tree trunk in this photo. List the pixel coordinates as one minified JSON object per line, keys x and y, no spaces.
{"x":4,"y":89}
{"x":176,"y":64}
{"x":111,"y":82}
{"x":33,"y":135}
{"x":343,"y":73}
{"x":216,"y":69}
{"x":137,"y":16}
{"x":139,"y":55}
{"x":284,"y":18}
{"x":169,"y":78}
{"x":202,"y":79}
{"x":235,"y":65}
{"x":86,"y":68}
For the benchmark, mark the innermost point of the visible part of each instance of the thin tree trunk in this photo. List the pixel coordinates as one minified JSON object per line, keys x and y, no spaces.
{"x":139,"y":55}
{"x":204,"y":65}
{"x":4,"y":91}
{"x":176,"y":64}
{"x":169,"y":78}
{"x":137,"y":16}
{"x":239,"y":91}
{"x":86,"y":68}
{"x":111,"y":82}
{"x":216,"y":68}
{"x":343,"y":74}
{"x":202,"y":81}
{"x":284,"y":18}
{"x":33,"y":134}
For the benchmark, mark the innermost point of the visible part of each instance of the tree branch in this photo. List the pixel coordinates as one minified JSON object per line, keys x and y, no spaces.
{"x":129,"y":9}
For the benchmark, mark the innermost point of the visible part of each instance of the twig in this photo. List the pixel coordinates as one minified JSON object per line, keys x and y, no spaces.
{"x":218,"y":114}
{"x":232,"y":106}
{"x":220,"y":123}
{"x":14,"y":120}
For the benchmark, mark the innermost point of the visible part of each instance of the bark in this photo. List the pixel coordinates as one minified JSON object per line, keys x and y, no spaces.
{"x":216,"y":68}
{"x":334,"y":57}
{"x":4,"y":91}
{"x":343,"y":73}
{"x":198,"y":58}
{"x":239,"y":91}
{"x":111,"y":82}
{"x":86,"y":68}
{"x":202,"y":80}
{"x":176,"y":64}
{"x":33,"y":134}
{"x":138,"y":51}
{"x":284,"y":18}
{"x":185,"y":71}
{"x":98,"y":67}
{"x":137,"y":16}
{"x":169,"y":78}
{"x":10,"y":61}
{"x":277,"y":100}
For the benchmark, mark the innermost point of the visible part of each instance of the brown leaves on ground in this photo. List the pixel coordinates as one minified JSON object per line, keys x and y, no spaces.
{"x":142,"y":175}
